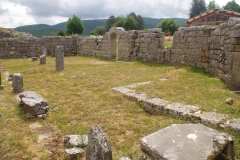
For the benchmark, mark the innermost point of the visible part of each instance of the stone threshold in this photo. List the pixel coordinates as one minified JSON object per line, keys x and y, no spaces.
{"x":158,"y":106}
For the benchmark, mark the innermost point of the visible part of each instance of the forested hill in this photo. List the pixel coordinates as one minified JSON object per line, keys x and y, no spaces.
{"x":40,"y":30}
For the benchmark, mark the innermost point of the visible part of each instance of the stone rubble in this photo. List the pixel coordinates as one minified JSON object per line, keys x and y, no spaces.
{"x":34,"y":104}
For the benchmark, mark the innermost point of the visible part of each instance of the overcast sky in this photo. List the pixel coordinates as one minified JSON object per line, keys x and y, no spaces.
{"x":14,"y":13}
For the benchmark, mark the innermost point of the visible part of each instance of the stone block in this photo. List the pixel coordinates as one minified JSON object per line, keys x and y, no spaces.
{"x":195,"y":45}
{"x":17,"y":83}
{"x":98,"y":147}
{"x":79,"y":141}
{"x":214,"y":63}
{"x":34,"y":59}
{"x":44,"y":51}
{"x":234,"y":34}
{"x":216,"y":32}
{"x":155,"y":105}
{"x":180,"y":111}
{"x":59,"y":58}
{"x":43,"y":59}
{"x":235,"y":41}
{"x":192,"y":39}
{"x":187,"y":141}
{"x":234,"y":83}
{"x":215,"y":46}
{"x":34,"y":104}
{"x":155,"y":30}
{"x":73,"y":153}
{"x":212,"y":118}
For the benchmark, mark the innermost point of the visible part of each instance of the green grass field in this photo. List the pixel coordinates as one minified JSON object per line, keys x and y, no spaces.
{"x":80,"y":96}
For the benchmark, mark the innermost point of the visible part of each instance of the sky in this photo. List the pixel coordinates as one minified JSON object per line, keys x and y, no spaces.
{"x":14,"y":13}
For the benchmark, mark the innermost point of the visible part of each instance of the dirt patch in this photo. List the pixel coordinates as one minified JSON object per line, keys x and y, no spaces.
{"x":49,"y":139}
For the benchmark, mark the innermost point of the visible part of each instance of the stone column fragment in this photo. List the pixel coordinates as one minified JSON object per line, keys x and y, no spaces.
{"x":44,"y":51}
{"x":43,"y":59}
{"x":98,"y":147}
{"x":17,"y":83}
{"x":59,"y":58}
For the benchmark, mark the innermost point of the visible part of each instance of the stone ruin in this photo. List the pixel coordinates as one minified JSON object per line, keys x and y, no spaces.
{"x":33,"y":104}
{"x":178,"y":141}
{"x":17,"y":83}
{"x":216,"y":49}
{"x":98,"y":148}
{"x":187,"y":141}
{"x":59,"y":58}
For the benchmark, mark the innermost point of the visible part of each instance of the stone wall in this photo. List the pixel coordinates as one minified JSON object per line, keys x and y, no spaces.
{"x":216,"y":49}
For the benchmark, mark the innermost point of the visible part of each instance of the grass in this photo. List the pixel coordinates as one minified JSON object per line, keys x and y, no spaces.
{"x":80,"y":96}
{"x":168,"y":44}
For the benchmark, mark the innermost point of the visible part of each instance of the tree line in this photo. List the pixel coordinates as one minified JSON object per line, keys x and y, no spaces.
{"x":74,"y":26}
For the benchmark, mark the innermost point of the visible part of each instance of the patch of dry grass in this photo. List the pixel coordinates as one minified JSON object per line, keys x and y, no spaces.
{"x":80,"y":96}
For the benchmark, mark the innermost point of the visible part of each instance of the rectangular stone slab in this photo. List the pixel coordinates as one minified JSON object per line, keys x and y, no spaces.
{"x":187,"y":142}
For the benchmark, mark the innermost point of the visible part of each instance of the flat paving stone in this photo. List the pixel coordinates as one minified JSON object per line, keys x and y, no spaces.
{"x":234,"y":125}
{"x":212,"y":118}
{"x":178,"y":110}
{"x":123,"y":90}
{"x":187,"y":142}
{"x":155,"y":105}
{"x":138,"y":97}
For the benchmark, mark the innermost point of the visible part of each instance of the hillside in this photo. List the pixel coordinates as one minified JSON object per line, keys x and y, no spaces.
{"x":40,"y":30}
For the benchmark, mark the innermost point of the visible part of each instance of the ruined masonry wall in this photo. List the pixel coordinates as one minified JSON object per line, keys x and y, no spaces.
{"x":217,"y":49}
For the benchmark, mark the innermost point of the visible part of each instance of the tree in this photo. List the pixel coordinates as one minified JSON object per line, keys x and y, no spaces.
{"x":111,"y":20}
{"x":197,"y":7}
{"x":168,"y":25}
{"x":99,"y":30}
{"x":119,"y":22}
{"x":212,"y":5}
{"x":140,"y":22}
{"x":232,"y":6}
{"x":74,"y":25}
{"x":130,"y":23}
{"x":60,"y":33}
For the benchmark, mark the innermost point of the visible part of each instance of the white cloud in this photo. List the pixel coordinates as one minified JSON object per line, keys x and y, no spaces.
{"x":14,"y":13}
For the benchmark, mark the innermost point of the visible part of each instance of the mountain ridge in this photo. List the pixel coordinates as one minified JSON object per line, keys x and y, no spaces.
{"x":39,"y":30}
